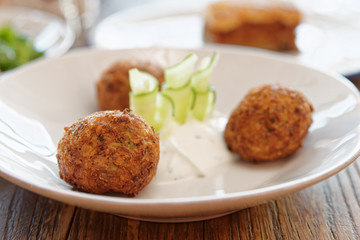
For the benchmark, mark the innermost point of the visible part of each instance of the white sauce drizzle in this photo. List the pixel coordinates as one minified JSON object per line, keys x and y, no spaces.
{"x":193,"y":149}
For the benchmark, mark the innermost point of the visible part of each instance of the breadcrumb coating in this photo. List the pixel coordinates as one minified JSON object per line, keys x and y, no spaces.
{"x":271,"y":122}
{"x":109,"y":151}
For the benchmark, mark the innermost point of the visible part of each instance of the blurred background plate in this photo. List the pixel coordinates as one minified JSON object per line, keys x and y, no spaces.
{"x":328,"y":36}
{"x":49,"y":32}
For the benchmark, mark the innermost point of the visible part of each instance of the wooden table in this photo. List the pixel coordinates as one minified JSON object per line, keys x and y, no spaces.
{"x":328,"y":210}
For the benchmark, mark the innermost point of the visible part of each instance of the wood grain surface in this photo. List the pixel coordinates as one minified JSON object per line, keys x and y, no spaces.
{"x":328,"y":210}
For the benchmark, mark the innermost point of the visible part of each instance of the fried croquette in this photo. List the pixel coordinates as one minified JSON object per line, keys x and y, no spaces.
{"x":109,"y":151}
{"x":264,"y":24}
{"x":113,"y":87}
{"x":271,"y":122}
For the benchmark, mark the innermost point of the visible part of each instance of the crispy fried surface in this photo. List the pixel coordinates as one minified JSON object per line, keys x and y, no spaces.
{"x":271,"y":122}
{"x":110,"y":151}
{"x":113,"y":87}
{"x":263,"y":24}
{"x":256,"y":35}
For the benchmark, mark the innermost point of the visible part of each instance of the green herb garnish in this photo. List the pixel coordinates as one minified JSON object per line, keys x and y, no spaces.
{"x":15,"y":49}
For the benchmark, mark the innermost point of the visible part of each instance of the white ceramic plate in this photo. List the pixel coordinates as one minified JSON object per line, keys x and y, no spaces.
{"x":49,"y":32}
{"x":38,"y":100}
{"x":327,"y":37}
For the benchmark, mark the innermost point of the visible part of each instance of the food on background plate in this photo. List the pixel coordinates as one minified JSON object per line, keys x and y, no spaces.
{"x":113,"y":87}
{"x":264,"y":24}
{"x":15,"y":49}
{"x":271,"y":122}
{"x":109,"y":151}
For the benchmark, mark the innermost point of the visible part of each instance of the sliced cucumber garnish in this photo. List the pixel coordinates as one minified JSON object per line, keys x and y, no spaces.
{"x":178,"y":75}
{"x":165,"y":110}
{"x":144,"y":105}
{"x":203,"y":104}
{"x":144,"y":91}
{"x":183,"y":99}
{"x":182,"y":92}
{"x":200,"y":81}
{"x":142,"y":82}
{"x":177,"y":87}
{"x":146,"y":101}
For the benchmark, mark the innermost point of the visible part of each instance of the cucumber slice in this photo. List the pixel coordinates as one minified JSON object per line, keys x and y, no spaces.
{"x":200,"y":81}
{"x":144,"y":105}
{"x":183,"y":99}
{"x":179,"y":74}
{"x":182,"y":91}
{"x":177,"y":87}
{"x":203,"y":104}
{"x":145,"y":100}
{"x":143,"y":95}
{"x":142,"y":82}
{"x":156,"y":108}
{"x":204,"y":63}
{"x":164,"y":111}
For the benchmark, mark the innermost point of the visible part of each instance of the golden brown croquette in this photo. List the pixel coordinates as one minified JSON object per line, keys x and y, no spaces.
{"x":271,"y":122}
{"x":109,"y":151}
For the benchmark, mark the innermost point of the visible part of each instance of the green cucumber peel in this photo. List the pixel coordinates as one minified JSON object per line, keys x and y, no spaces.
{"x":177,"y":87}
{"x":153,"y":106}
{"x":203,"y":104}
{"x":164,"y":111}
{"x":142,"y":82}
{"x":200,"y":81}
{"x":183,"y":99}
{"x":144,"y":105}
{"x":178,"y":75}
{"x":204,"y":93}
{"x":183,"y":92}
{"x":164,"y":98}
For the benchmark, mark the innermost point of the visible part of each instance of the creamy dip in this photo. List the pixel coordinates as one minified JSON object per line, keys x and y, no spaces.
{"x":193,"y":149}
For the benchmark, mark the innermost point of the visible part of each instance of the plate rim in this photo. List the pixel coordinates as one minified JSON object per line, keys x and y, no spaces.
{"x":269,"y":192}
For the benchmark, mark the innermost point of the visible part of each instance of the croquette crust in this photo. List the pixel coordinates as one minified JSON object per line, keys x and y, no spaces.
{"x":270,"y":25}
{"x":109,"y":151}
{"x":271,"y":122}
{"x":113,"y":87}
